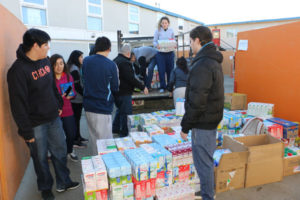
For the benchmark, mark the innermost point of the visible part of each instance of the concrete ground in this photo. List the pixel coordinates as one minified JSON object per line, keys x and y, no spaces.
{"x":284,"y":190}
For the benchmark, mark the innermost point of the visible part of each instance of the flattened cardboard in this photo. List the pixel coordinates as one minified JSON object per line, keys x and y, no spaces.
{"x":291,"y":165}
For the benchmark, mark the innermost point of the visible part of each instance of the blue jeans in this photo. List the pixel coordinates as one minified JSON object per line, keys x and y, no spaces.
{"x":165,"y":64}
{"x":149,"y":76}
{"x":124,"y":108}
{"x":203,"y":147}
{"x":50,"y":137}
{"x":69,"y":126}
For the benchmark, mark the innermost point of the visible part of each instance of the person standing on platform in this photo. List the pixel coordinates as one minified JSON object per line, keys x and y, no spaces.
{"x":146,"y":59}
{"x":164,"y":59}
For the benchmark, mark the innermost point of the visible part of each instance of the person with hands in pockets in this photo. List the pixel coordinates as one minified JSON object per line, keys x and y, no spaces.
{"x":204,"y":103}
{"x":35,"y":104}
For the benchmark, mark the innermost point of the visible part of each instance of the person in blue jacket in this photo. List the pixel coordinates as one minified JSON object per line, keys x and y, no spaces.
{"x":101,"y":83}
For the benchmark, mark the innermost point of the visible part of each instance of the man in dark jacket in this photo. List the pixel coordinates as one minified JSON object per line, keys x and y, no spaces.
{"x":204,"y":106}
{"x":128,"y":82}
{"x":35,"y":104}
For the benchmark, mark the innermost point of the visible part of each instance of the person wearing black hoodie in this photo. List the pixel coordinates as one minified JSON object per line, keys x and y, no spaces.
{"x":204,"y":102}
{"x":128,"y":82}
{"x":35,"y":105}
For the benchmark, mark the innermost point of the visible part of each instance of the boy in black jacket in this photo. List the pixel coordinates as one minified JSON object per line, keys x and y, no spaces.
{"x":35,"y":104}
{"x":204,"y":102}
{"x":128,"y":82}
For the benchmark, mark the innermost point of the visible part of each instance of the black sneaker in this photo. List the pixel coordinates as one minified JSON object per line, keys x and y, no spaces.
{"x":71,"y":186}
{"x":47,"y":195}
{"x":198,"y":195}
{"x":83,"y":140}
{"x":72,"y":156}
{"x":79,"y":144}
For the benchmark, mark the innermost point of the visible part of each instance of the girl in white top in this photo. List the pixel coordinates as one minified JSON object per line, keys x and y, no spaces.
{"x":165,"y":57}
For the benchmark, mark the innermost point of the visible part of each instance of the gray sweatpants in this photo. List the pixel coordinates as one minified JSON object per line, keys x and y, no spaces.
{"x":178,"y":93}
{"x":100,"y":127}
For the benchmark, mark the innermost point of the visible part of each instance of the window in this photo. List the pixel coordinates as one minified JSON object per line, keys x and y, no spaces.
{"x":231,"y":33}
{"x":134,"y":19}
{"x":180,"y":24}
{"x":94,"y":15}
{"x":34,"y":12}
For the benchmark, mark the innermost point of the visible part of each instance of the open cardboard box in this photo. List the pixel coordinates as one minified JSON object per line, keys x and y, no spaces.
{"x":265,"y":160}
{"x":230,"y":173}
{"x":291,"y":165}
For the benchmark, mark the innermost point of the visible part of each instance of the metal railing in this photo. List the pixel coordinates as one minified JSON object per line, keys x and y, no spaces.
{"x":181,"y":39}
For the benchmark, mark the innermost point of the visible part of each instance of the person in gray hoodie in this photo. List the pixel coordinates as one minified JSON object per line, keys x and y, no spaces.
{"x":75,"y":63}
{"x":146,"y":59}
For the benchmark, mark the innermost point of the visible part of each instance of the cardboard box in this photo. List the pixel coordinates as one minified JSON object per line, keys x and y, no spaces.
{"x":230,"y":174}
{"x":265,"y":160}
{"x":235,"y":101}
{"x":291,"y":165}
{"x":290,"y":129}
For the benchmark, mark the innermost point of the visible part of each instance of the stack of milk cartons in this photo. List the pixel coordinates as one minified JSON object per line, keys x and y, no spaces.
{"x":133,"y":121}
{"x":232,"y":122}
{"x":119,"y":174}
{"x":144,"y":170}
{"x":167,"y":45}
{"x":183,"y":167}
{"x":164,"y":140}
{"x":147,"y":119}
{"x":105,"y":146}
{"x":124,"y":143}
{"x":180,"y":110}
{"x":262,"y":110}
{"x":164,"y":163}
{"x":177,"y":191}
{"x":153,"y":129}
{"x":140,"y":138}
{"x":95,"y":183}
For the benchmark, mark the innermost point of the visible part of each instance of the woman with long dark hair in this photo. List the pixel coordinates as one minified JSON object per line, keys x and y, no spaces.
{"x":164,"y":57}
{"x":74,"y":65}
{"x":64,"y":83}
{"x":178,"y":79}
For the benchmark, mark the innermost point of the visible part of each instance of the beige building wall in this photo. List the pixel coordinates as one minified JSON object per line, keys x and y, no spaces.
{"x":148,"y":22}
{"x":67,"y":23}
{"x":67,"y":13}
{"x":13,"y":6}
{"x":115,"y":16}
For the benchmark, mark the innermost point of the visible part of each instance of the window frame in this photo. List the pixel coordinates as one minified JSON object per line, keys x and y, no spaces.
{"x":231,"y":32}
{"x":88,"y":14}
{"x":134,"y":22}
{"x":34,"y":6}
